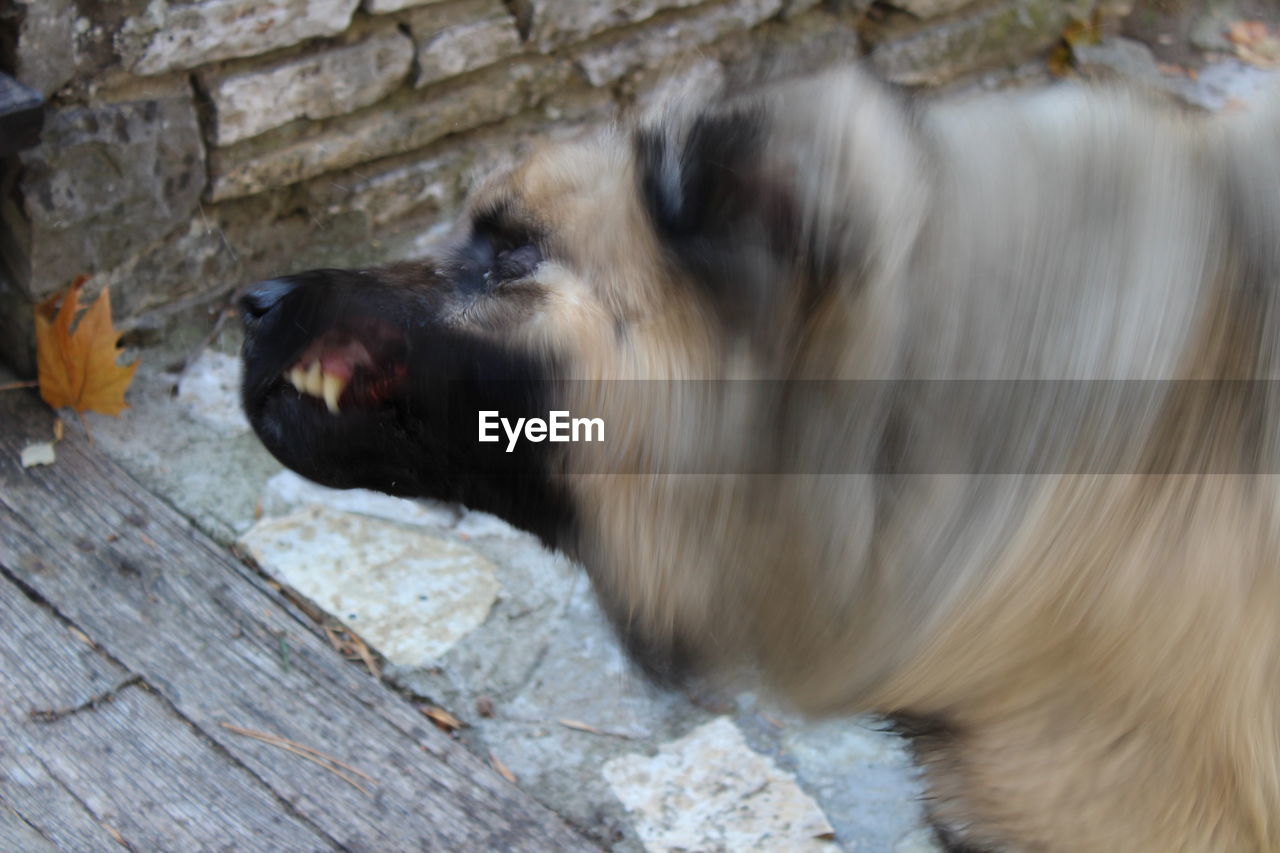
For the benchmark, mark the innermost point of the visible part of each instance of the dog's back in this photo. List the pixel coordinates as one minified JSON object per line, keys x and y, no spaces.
{"x":1108,"y":675}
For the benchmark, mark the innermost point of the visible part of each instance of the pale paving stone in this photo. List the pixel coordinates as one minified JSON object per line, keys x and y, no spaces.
{"x":862,"y":778}
{"x":409,"y":595}
{"x":328,"y":84}
{"x":286,"y":491}
{"x":481,"y":525}
{"x":920,"y":840}
{"x":575,"y":672}
{"x":209,"y":392}
{"x":171,"y":35}
{"x":709,"y":791}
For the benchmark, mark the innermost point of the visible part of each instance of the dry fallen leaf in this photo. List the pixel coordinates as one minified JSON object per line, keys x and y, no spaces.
{"x":1079,"y":32}
{"x":1075,"y":34}
{"x":77,"y":368}
{"x":579,"y":726}
{"x":1255,"y":44}
{"x":443,"y":719}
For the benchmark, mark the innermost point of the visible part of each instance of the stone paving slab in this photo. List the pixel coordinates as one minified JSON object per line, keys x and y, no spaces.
{"x":710,"y":791}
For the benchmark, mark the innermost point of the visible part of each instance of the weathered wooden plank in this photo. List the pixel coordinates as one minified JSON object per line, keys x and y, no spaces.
{"x":221,"y":647}
{"x":17,"y":834}
{"x":126,"y":760}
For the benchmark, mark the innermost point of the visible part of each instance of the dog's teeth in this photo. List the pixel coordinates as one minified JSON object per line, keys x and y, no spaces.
{"x":312,"y":381}
{"x":296,"y":377}
{"x":333,"y":386}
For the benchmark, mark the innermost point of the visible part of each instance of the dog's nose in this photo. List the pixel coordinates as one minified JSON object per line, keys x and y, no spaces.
{"x":260,"y":298}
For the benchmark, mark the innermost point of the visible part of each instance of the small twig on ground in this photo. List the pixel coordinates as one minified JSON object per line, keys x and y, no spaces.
{"x":579,"y":726}
{"x":331,"y":634}
{"x":115,"y":834}
{"x":52,"y":715}
{"x":503,"y":770}
{"x":328,"y":762}
{"x":352,"y":647}
{"x":365,"y":655}
{"x":85,"y":424}
{"x":14,"y":386}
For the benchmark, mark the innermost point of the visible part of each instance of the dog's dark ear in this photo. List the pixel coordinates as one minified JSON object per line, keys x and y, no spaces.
{"x":726,"y":213}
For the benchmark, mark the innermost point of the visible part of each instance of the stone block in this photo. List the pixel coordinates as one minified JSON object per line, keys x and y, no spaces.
{"x":295,"y":153}
{"x":556,"y":23}
{"x":314,"y":86}
{"x":792,"y":8}
{"x":45,"y":53}
{"x":380,"y":7}
{"x":651,"y":92}
{"x":659,"y":42}
{"x":806,"y":44}
{"x":454,"y":38}
{"x":439,"y":177}
{"x":172,"y":35}
{"x":931,"y":8}
{"x":107,"y":181}
{"x":56,"y":42}
{"x":997,"y":35}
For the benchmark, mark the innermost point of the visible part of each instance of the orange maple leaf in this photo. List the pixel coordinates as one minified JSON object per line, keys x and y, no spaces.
{"x":1255,"y":44}
{"x":77,"y":368}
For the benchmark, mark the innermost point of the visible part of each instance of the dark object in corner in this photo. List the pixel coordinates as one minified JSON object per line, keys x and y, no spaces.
{"x":21,"y":116}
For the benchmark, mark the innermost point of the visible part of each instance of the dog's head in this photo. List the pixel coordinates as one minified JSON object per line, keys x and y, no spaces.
{"x":374,"y":378}
{"x":699,"y":246}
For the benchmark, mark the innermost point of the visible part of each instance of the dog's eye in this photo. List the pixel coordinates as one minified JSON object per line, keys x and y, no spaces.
{"x":516,"y":263}
{"x":501,"y":249}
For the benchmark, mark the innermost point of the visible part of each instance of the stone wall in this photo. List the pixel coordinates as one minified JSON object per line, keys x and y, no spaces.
{"x":193,"y":145}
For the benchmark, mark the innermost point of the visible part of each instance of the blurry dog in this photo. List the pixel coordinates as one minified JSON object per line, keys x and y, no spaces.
{"x":952,"y":412}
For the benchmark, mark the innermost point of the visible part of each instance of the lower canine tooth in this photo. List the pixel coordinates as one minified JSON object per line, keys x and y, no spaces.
{"x":297,"y":378}
{"x":312,"y":381}
{"x":333,"y":386}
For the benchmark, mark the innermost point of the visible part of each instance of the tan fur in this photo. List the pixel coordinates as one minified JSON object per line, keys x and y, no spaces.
{"x":1104,"y":649}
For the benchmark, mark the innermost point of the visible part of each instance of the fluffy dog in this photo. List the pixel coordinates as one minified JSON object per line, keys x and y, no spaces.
{"x":954,"y":412}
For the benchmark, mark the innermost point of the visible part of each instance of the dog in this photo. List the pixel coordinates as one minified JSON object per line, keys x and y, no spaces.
{"x":957,"y":412}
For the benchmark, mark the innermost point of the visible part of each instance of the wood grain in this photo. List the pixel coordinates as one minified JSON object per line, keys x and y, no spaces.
{"x":83,"y":730}
{"x":215,"y":644}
